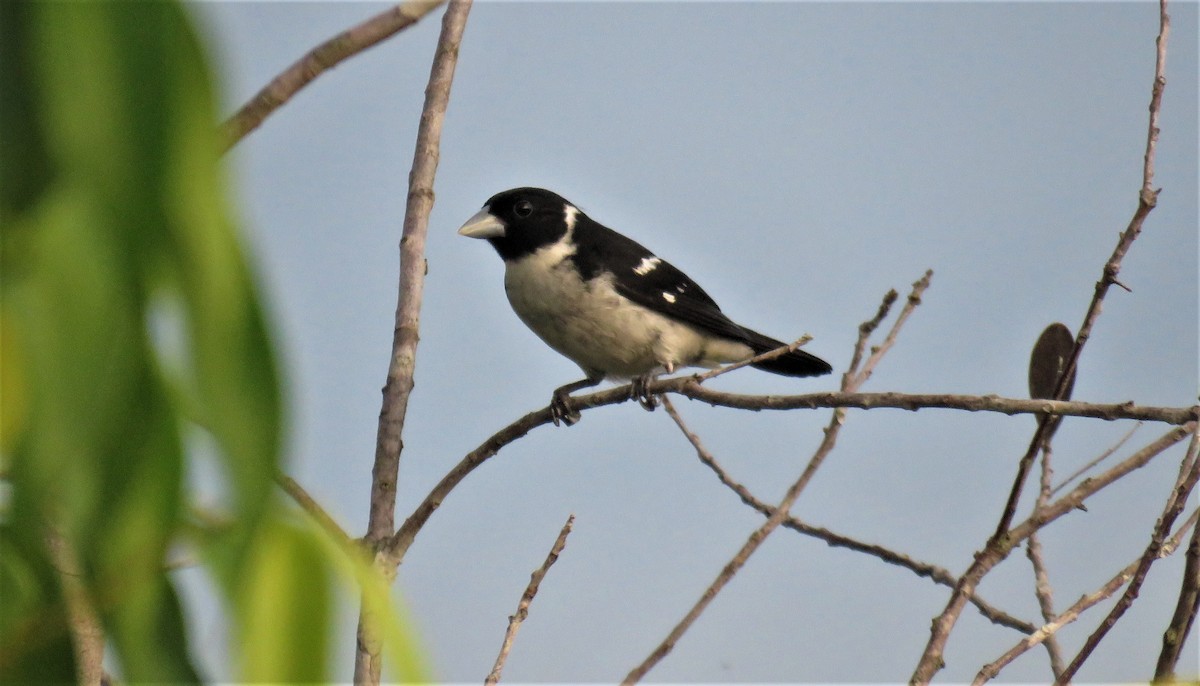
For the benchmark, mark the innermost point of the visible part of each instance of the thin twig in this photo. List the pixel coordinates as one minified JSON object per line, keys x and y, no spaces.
{"x":781,"y":511}
{"x":398,"y":545}
{"x":1033,"y":550}
{"x":868,"y":327}
{"x":1100,"y":458}
{"x":314,"y":509}
{"x":762,"y":357}
{"x":1188,"y":476}
{"x":931,"y":660}
{"x":397,"y":390}
{"x":1045,"y":632}
{"x":1175,"y":637}
{"x":993,"y":555}
{"x":325,"y":56}
{"x":535,"y":580}
{"x":939,"y":575}
{"x":877,"y":352}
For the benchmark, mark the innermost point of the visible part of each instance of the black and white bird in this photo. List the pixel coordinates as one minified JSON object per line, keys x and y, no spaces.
{"x":607,"y":303}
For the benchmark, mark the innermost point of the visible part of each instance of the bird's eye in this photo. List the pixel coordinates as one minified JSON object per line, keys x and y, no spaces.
{"x":523,"y":208}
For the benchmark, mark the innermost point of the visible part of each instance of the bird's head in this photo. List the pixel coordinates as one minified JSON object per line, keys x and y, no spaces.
{"x":518,"y":222}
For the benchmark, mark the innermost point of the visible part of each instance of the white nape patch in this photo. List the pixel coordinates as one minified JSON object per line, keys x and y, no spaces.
{"x":571,"y":212}
{"x":646,"y":266}
{"x":669,"y":297}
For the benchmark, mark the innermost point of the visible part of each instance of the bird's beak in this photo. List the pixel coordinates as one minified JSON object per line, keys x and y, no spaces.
{"x":483,"y":224}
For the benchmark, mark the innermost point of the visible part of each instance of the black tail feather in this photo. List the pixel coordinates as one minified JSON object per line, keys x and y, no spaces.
{"x":795,"y":363}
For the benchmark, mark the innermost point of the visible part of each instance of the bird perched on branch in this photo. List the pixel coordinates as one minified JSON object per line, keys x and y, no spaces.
{"x":610,"y":305}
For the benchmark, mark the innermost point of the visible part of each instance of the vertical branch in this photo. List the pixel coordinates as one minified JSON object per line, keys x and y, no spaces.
{"x":1175,"y":637}
{"x":1042,"y":588}
{"x":399,"y":384}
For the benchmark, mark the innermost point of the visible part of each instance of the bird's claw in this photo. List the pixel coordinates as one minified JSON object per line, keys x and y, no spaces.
{"x":637,"y":390}
{"x":561,"y":411}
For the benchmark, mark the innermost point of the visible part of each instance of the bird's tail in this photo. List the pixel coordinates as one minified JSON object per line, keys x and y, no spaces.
{"x":795,"y":363}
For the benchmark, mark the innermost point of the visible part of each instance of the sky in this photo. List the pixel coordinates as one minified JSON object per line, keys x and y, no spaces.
{"x":797,"y":160}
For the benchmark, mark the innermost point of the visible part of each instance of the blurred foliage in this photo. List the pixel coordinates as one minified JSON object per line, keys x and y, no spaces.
{"x":129,"y":318}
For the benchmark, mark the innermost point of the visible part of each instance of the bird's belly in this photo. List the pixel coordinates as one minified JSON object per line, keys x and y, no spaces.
{"x":600,"y":330}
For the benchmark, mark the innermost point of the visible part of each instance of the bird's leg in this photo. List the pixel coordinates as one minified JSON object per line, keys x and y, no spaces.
{"x":560,"y":402}
{"x":637,"y":389}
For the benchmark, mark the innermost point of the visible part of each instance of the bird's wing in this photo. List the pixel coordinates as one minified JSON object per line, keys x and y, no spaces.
{"x":650,"y":281}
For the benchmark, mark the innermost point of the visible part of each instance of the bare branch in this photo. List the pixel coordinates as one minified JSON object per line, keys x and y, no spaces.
{"x":851,"y":384}
{"x":1175,"y":637}
{"x":688,"y":387}
{"x":1188,"y":476}
{"x":1100,"y":458}
{"x":325,"y":56}
{"x":1033,"y":550}
{"x":931,"y":659}
{"x":992,"y":555}
{"x":396,"y":391}
{"x":1156,"y":92}
{"x":868,"y":327}
{"x":535,"y":580}
{"x":781,"y":511}
{"x":990,"y":670}
{"x":939,"y":575}
{"x":412,"y":273}
{"x":399,"y":543}
{"x":1147,"y":199}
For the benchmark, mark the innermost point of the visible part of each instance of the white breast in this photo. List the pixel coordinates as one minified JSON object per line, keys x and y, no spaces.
{"x":600,"y":330}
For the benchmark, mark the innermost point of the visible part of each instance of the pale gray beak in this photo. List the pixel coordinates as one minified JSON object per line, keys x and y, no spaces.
{"x":482,"y":225}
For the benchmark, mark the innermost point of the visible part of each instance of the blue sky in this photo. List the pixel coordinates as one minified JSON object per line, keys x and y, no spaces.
{"x":798,"y":160}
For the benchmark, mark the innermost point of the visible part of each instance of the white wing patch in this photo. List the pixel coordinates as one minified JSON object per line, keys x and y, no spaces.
{"x":571,"y":212}
{"x":669,"y":297}
{"x":646,"y":266}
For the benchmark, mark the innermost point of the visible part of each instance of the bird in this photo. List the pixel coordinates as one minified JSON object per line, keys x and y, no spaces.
{"x":609,"y":304}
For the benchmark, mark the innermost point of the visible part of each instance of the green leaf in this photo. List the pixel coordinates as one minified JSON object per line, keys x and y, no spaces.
{"x":111,"y":201}
{"x":285,"y":602}
{"x":115,"y":225}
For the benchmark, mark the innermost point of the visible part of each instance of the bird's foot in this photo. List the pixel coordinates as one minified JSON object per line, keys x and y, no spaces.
{"x":561,"y":410}
{"x":637,"y":390}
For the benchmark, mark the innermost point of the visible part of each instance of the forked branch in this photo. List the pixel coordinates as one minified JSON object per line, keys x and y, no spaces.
{"x":851,"y":381}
